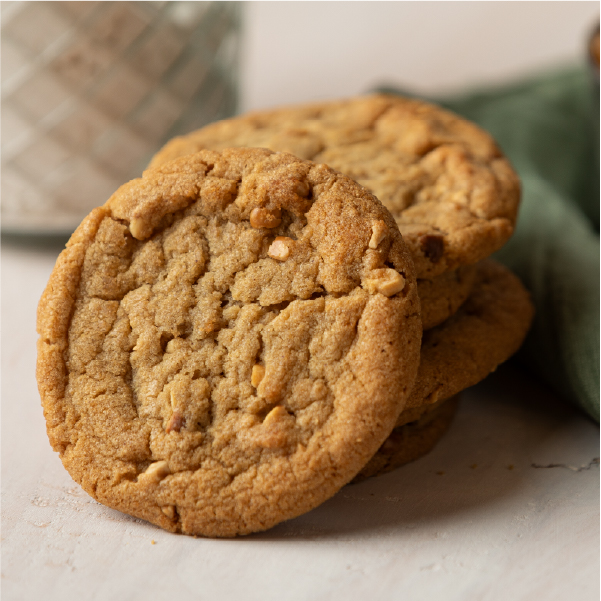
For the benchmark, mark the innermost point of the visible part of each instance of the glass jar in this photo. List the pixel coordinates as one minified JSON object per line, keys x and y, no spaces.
{"x":90,"y":90}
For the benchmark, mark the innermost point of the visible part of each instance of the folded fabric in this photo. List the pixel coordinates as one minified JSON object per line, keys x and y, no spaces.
{"x":549,"y":129}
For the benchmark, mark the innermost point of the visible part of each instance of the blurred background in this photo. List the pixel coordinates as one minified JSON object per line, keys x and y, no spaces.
{"x":298,"y":51}
{"x":90,"y":90}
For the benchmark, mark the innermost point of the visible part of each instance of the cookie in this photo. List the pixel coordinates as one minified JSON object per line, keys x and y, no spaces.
{"x":487,"y":329}
{"x":452,"y":192}
{"x":441,"y":297}
{"x":412,"y":440}
{"x":227,"y":341}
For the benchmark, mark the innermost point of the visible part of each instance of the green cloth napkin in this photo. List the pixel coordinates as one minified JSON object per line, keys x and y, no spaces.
{"x":549,"y":129}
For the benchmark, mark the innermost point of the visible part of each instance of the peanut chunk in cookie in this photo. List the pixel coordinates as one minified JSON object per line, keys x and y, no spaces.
{"x":137,"y":228}
{"x":176,"y":423}
{"x":280,"y":248}
{"x":386,"y":281}
{"x":258,"y":372}
{"x":378,"y":229}
{"x":276,"y":413}
{"x":155,"y":472}
{"x":277,"y":429}
{"x":303,"y":189}
{"x":267,"y":218}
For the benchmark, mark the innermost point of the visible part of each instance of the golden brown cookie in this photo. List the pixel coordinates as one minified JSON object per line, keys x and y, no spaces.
{"x":412,"y":440}
{"x":487,"y":329}
{"x":452,"y":192}
{"x":440,"y":297}
{"x":227,"y":341}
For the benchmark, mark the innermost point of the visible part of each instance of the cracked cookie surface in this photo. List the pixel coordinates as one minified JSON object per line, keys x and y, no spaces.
{"x":452,"y":192}
{"x":226,"y":342}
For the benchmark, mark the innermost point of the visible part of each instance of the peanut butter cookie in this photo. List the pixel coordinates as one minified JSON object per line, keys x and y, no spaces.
{"x":227,"y":341}
{"x":445,"y":181}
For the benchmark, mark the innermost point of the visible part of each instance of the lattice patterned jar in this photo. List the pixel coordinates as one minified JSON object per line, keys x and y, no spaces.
{"x":90,"y":90}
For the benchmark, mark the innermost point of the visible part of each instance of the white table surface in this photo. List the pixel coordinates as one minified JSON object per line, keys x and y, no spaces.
{"x":505,"y":507}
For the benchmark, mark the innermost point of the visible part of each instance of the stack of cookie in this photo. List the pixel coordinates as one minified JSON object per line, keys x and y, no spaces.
{"x":239,"y":333}
{"x":454,"y":197}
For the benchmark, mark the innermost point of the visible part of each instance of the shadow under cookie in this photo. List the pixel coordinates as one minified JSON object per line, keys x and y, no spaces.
{"x":412,"y":440}
{"x":482,"y":465}
{"x":484,"y":333}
